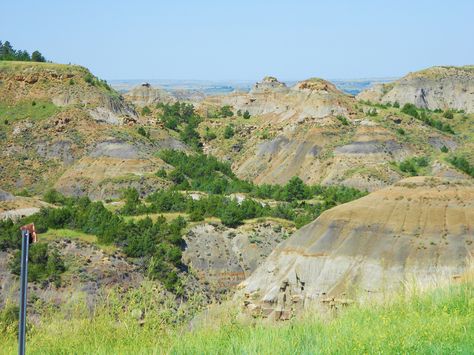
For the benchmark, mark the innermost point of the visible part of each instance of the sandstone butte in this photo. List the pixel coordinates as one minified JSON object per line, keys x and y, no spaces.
{"x":433,"y":88}
{"x":418,"y":231}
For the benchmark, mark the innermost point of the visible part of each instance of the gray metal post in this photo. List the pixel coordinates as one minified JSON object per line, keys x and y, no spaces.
{"x":25,"y":241}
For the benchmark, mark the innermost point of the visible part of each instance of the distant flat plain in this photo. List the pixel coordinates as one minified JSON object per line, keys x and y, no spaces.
{"x":210,"y":87}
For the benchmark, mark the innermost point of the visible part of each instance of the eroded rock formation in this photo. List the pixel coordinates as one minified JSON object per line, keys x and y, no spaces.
{"x":416,"y":231}
{"x":433,"y":88}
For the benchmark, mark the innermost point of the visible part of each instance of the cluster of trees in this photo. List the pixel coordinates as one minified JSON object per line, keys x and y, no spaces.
{"x":296,"y":189}
{"x":245,"y":114}
{"x":343,"y":120}
{"x":226,"y":111}
{"x":158,"y":243}
{"x":425,"y":117}
{"x":228,"y":210}
{"x":44,"y":264}
{"x":94,"y":81}
{"x":7,"y":52}
{"x":200,"y":172}
{"x":412,"y":165}
{"x":232,"y":213}
{"x":222,"y":112}
{"x":181,"y":117}
{"x":462,"y":164}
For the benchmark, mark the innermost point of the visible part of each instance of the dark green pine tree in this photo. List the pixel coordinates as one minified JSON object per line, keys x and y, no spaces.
{"x":36,"y":56}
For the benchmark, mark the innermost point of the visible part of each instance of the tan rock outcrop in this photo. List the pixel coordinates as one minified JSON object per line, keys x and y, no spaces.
{"x":313,"y":98}
{"x":433,"y":88}
{"x":147,"y":95}
{"x":417,"y":231}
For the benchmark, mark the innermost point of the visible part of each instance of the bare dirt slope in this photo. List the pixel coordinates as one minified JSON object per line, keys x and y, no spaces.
{"x":418,"y":229}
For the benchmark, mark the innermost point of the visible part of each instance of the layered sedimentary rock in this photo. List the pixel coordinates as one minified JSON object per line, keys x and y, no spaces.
{"x":313,"y":98}
{"x":223,"y":257}
{"x":433,"y":88}
{"x":324,"y":136}
{"x":416,"y":231}
{"x":147,"y":95}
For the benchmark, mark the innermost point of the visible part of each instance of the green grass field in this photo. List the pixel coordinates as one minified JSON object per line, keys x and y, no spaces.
{"x":34,"y":110}
{"x":440,"y":321}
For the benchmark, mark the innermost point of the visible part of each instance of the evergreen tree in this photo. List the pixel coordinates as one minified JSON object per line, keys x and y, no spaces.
{"x":36,"y":56}
{"x":228,"y":132}
{"x":8,"y":50}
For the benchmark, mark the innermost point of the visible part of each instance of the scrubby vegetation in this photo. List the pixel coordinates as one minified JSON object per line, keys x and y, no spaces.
{"x":158,"y":243}
{"x":462,"y":164}
{"x":222,"y":112}
{"x":413,"y":165}
{"x":145,"y":111}
{"x":342,"y":119}
{"x":143,"y":132}
{"x":425,"y":117}
{"x":95,"y":81}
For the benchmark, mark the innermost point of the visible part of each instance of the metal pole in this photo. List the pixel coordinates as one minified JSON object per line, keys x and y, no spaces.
{"x":25,"y":239}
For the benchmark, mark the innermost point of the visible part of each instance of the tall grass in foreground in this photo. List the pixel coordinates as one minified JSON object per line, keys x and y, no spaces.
{"x":440,"y":321}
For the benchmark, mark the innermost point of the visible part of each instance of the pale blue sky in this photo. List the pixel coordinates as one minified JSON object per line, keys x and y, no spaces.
{"x":244,"y":39}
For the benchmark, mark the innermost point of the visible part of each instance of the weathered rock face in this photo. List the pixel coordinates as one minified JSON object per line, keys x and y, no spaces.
{"x":313,"y":98}
{"x":146,"y":95}
{"x":434,"y":88}
{"x":419,"y":229}
{"x":269,"y":84}
{"x":223,"y":257}
{"x":109,"y":167}
{"x":357,"y":157}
